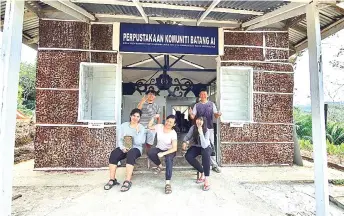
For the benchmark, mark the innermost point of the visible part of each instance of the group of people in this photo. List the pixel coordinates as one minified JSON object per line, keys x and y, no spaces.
{"x":145,"y":124}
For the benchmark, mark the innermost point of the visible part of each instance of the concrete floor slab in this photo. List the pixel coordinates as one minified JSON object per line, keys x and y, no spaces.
{"x":237,"y":190}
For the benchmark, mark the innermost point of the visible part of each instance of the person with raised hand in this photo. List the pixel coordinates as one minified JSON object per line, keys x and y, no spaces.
{"x":150,"y":110}
{"x":208,"y":110}
{"x":166,"y":147}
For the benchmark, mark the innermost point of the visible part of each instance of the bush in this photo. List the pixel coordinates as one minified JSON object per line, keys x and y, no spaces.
{"x":303,"y":124}
{"x":331,"y":148}
{"x":335,"y":133}
{"x":306,"y":145}
{"x":27,"y":88}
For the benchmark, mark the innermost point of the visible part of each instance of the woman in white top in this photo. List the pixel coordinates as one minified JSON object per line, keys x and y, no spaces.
{"x":166,"y":147}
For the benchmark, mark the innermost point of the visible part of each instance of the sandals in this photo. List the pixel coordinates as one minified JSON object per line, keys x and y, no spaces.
{"x":110,"y":184}
{"x":126,"y":186}
{"x":200,"y":180}
{"x":206,"y":187}
{"x":216,"y":169}
{"x":168,"y":189}
{"x":157,"y":170}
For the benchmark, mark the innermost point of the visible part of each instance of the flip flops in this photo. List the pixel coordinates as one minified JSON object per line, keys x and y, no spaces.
{"x":206,"y":187}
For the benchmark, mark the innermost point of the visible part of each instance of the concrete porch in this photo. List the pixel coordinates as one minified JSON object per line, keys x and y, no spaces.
{"x":237,"y":191}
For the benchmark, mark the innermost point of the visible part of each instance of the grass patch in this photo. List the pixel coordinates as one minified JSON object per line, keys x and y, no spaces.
{"x":339,"y":182}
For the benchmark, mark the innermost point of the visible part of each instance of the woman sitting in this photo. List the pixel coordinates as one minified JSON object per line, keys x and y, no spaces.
{"x":198,"y":139}
{"x":166,"y":147}
{"x":133,"y":133}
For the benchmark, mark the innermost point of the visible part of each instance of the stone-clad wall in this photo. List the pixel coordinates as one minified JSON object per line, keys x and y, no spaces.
{"x":269,"y":139}
{"x":66,"y":143}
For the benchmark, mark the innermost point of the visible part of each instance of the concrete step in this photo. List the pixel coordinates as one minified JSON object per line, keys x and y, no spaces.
{"x":143,"y":163}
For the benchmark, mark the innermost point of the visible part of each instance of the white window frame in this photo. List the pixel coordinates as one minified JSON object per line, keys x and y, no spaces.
{"x":250,"y":93}
{"x":117,"y":99}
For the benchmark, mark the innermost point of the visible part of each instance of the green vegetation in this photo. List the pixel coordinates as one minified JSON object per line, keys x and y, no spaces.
{"x":306,"y":145}
{"x":338,"y":182}
{"x":334,"y":132}
{"x":27,"y":88}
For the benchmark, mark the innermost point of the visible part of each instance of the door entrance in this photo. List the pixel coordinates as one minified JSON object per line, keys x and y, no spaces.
{"x":177,"y":79}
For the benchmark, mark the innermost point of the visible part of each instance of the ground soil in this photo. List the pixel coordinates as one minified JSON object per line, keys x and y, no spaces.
{"x":330,"y":158}
{"x":24,"y":139}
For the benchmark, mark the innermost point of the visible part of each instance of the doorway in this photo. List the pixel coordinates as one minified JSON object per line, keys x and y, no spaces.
{"x":177,"y":79}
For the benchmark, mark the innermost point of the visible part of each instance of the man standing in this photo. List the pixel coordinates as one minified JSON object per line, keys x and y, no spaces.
{"x":208,"y":110}
{"x":149,"y":110}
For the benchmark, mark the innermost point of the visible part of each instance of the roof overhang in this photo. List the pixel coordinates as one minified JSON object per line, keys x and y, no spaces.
{"x":239,"y":15}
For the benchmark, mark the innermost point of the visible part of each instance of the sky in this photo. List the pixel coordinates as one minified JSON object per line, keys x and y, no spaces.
{"x":27,"y":55}
{"x":330,"y":47}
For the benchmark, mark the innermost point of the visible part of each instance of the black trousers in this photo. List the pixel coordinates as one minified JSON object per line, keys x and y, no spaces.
{"x":191,"y":155}
{"x":118,"y":155}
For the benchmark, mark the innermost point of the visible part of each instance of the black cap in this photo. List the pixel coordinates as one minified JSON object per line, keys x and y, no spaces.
{"x":151,"y":91}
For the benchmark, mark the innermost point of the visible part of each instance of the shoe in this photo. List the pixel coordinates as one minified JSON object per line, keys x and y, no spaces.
{"x":216,"y":169}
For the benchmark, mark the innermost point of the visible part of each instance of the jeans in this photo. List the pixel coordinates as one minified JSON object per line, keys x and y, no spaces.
{"x":153,"y":156}
{"x":191,"y":155}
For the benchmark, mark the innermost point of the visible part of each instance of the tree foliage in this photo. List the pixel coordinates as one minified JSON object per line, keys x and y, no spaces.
{"x":27,"y":88}
{"x":335,"y":133}
{"x":335,"y":112}
{"x":337,"y":62}
{"x":303,"y":123}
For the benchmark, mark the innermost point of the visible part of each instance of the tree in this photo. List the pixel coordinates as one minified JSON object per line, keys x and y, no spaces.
{"x":338,"y":62}
{"x":303,"y":124}
{"x":335,"y":133}
{"x":27,"y":87}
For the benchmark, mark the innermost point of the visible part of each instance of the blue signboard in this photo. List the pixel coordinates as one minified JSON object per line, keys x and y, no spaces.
{"x":174,"y":39}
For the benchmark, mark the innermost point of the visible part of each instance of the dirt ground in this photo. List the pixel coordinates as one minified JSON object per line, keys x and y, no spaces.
{"x":330,"y":158}
{"x":24,"y":153}
{"x":24,"y":141}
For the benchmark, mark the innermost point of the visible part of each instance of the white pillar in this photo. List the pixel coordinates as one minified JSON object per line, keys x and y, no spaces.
{"x":317,"y":101}
{"x":119,"y":96}
{"x":9,"y":77}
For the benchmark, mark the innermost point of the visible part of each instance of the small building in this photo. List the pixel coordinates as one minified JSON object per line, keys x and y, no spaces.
{"x":92,"y":72}
{"x":97,"y":57}
{"x":83,"y":78}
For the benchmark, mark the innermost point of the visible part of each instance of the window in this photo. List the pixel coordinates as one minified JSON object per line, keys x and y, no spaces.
{"x":182,"y":109}
{"x":97,"y":87}
{"x":236,"y":98}
{"x":212,"y":88}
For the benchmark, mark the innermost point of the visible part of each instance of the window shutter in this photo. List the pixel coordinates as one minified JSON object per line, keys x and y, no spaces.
{"x":103,"y":97}
{"x":85,"y":91}
{"x":236,"y":94}
{"x":97,"y":98}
